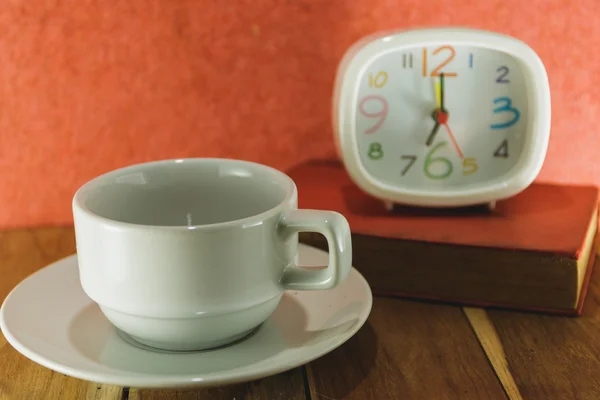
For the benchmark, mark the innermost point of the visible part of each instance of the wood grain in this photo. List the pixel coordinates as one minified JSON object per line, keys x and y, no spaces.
{"x":22,"y":252}
{"x":286,"y":386}
{"x":407,"y":350}
{"x":488,"y":337}
{"x":554,"y":357}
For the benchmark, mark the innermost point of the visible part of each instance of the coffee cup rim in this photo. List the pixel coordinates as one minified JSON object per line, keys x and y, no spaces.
{"x":79,"y":206}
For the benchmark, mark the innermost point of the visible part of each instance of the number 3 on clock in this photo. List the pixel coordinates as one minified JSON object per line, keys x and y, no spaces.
{"x":506,"y":107}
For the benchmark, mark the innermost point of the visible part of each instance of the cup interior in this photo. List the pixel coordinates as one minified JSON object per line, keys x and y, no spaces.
{"x":188,"y":192}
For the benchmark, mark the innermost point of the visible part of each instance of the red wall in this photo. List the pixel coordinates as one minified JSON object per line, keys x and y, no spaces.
{"x":89,"y":86}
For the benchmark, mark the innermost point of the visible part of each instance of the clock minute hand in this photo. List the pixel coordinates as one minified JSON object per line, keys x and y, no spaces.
{"x":439,"y":115}
{"x":442,"y":117}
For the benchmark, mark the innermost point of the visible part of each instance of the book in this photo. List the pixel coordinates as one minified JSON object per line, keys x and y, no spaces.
{"x":534,"y":251}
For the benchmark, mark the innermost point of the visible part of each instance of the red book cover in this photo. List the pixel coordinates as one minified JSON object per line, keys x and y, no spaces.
{"x":544,"y":217}
{"x":550,"y":220}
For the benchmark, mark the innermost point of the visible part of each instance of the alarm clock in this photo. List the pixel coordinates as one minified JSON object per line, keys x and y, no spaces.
{"x":441,"y":117}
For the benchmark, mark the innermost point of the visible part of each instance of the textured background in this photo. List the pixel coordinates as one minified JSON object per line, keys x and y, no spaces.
{"x":89,"y":86}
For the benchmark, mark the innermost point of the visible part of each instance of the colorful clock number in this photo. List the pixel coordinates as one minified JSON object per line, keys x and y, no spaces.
{"x":375,"y":151}
{"x":381,"y":114}
{"x":431,"y":162}
{"x":437,"y":70}
{"x":506,"y":107}
{"x":502,"y":150}
{"x":411,"y":161}
{"x":469,"y":166}
{"x":503,"y":72}
{"x":379,"y":80}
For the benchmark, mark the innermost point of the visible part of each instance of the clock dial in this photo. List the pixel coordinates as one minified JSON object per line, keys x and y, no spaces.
{"x":440,"y":116}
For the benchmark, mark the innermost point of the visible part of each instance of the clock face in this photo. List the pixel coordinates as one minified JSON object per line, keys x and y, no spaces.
{"x":442,"y":116}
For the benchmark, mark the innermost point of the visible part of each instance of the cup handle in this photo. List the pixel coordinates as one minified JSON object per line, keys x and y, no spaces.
{"x":336,"y":230}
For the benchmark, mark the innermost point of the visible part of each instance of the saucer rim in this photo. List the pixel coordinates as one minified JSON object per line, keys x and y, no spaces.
{"x":158,"y":381}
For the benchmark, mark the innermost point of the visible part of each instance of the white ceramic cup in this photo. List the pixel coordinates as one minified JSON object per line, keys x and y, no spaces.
{"x":196,"y":253}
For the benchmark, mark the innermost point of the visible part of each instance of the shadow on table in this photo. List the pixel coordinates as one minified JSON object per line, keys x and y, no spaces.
{"x":347,"y":366}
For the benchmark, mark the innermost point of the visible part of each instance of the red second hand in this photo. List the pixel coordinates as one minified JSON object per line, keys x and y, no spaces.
{"x":454,"y":140}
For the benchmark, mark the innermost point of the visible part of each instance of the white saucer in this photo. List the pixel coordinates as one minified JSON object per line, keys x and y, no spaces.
{"x":49,"y":319}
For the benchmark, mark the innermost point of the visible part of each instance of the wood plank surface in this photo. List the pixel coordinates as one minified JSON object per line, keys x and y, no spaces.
{"x":286,"y":386}
{"x":554,"y":357}
{"x":491,"y":344}
{"x":407,"y":350}
{"x":22,"y":252}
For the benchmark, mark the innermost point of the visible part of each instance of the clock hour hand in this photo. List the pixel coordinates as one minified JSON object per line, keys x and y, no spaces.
{"x":434,"y":131}
{"x":440,"y":118}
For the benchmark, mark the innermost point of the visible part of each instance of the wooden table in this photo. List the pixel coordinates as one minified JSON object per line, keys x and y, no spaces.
{"x":406,"y":350}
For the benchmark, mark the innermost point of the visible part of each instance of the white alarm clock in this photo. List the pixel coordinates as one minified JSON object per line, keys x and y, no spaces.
{"x":441,"y":117}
